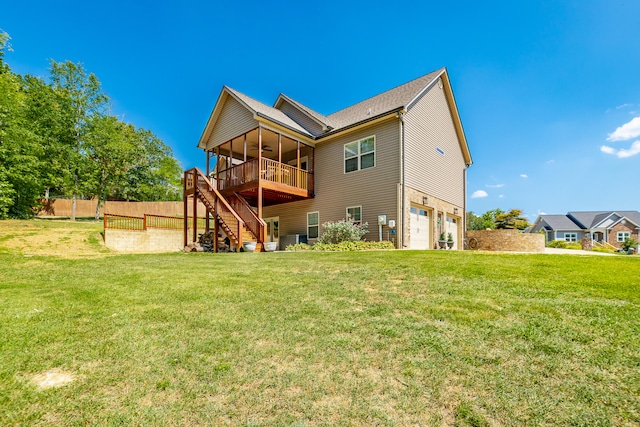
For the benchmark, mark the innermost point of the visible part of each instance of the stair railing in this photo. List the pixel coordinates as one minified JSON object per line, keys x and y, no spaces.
{"x":196,"y":180}
{"x":253,"y":222}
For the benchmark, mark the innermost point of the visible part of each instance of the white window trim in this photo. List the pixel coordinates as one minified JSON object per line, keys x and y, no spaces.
{"x":573,"y":237}
{"x":316,"y":225}
{"x":347,"y":214}
{"x":359,"y":156}
{"x":623,"y":234}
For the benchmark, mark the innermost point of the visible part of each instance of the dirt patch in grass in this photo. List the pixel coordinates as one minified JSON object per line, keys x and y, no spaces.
{"x":65,"y":239}
{"x":52,"y":378}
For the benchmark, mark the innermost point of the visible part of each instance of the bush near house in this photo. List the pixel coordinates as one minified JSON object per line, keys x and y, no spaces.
{"x":342,"y":231}
{"x":341,"y":247}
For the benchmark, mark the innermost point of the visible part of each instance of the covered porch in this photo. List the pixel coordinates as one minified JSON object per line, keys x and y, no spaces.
{"x":263,"y":166}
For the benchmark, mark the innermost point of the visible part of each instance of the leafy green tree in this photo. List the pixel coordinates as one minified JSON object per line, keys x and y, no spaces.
{"x":489,"y":218}
{"x":511,"y":220}
{"x":20,"y":155}
{"x":48,"y":114}
{"x":86,"y":100}
{"x":474,"y":222}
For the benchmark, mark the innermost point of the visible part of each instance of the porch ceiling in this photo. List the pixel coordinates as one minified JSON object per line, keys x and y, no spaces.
{"x":269,"y":145}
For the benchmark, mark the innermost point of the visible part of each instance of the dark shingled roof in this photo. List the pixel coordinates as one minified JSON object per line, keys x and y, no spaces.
{"x":393,"y":99}
{"x":560,"y":222}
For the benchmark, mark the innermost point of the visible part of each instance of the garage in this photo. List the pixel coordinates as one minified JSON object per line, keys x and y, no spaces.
{"x":420,"y":228}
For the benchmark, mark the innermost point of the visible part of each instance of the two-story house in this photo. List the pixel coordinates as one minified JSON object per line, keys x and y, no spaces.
{"x":397,"y":161}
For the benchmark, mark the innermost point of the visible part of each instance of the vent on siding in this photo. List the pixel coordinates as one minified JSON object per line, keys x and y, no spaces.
{"x":440,"y":150}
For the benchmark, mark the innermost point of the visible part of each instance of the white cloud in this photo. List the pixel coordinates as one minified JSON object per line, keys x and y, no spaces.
{"x":622,"y":153}
{"x":479,"y":194}
{"x":541,"y":212}
{"x":623,"y":106}
{"x":626,"y":131}
{"x":550,"y":161}
{"x":495,"y":185}
{"x":524,"y":175}
{"x":501,"y":196}
{"x":607,"y":149}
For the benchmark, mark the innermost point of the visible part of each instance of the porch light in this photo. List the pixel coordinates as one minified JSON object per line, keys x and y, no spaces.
{"x":455,"y":211}
{"x":425,"y":200}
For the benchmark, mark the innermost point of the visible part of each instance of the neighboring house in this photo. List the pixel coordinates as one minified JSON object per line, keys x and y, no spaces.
{"x":397,"y":161}
{"x":612,"y":227}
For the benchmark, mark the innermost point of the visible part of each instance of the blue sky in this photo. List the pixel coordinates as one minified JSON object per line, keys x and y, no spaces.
{"x":548,"y":91}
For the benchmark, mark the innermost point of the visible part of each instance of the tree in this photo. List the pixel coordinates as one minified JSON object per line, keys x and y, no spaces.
{"x":511,"y":220}
{"x":474,"y":222}
{"x":20,"y":155}
{"x":86,"y":100}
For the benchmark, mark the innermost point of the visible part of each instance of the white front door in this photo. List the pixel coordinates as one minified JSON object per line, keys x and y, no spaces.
{"x":273,"y":230}
{"x":452,"y":227}
{"x":420,"y":228}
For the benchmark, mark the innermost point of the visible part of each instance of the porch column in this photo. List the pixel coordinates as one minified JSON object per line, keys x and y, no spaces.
{"x":244,"y":155}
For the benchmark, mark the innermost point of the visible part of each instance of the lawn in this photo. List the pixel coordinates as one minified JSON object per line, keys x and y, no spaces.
{"x":310,"y":339}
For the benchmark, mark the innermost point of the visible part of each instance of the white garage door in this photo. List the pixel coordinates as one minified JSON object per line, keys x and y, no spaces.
{"x":420,"y":228}
{"x":452,"y":227}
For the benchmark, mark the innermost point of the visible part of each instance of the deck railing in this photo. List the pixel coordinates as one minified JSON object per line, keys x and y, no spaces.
{"x":141,"y":223}
{"x":267,"y":170}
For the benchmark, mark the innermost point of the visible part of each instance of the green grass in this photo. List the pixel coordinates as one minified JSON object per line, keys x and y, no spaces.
{"x":371,"y":338}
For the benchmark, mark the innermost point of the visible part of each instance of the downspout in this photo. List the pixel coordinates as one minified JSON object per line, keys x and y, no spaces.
{"x":402,"y":166}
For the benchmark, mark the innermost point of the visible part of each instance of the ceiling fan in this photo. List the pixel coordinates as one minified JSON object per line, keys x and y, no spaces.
{"x":264,"y":147}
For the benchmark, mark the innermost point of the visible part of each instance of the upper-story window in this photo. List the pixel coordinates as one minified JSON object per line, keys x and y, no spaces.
{"x":360,"y":154}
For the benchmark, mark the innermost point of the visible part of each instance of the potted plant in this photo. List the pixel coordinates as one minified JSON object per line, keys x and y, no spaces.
{"x":442,"y":243}
{"x":449,"y":240}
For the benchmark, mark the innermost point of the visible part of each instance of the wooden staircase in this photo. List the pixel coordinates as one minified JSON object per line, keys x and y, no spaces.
{"x":234,"y":215}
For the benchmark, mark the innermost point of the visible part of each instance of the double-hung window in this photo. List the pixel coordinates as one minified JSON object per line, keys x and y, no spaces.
{"x":354,"y":214}
{"x":571,"y":237}
{"x":360,"y":154}
{"x":623,"y":235}
{"x":313,"y":225}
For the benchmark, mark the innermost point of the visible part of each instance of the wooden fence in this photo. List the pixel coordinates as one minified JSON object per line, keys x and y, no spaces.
{"x":87,"y":208}
{"x":141,"y":223}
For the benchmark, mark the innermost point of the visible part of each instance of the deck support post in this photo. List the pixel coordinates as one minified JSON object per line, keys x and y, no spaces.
{"x":184,"y":202}
{"x":195,"y":209}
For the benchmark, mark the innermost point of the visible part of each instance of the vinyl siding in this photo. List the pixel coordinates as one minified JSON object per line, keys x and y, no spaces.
{"x":301,"y":118}
{"x":429,"y":126}
{"x":375,"y":189}
{"x":234,"y":120}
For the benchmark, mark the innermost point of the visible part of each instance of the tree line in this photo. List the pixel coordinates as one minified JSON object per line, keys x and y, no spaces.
{"x":497,"y":219}
{"x":58,"y":138}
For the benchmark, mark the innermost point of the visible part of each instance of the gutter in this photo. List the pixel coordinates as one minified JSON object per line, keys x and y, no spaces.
{"x":402,"y":166}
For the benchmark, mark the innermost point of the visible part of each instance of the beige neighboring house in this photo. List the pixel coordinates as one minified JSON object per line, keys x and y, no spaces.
{"x":397,"y":161}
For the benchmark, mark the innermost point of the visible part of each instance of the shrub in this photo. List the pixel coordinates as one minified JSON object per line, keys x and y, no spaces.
{"x":557,"y":244}
{"x":629,"y":243}
{"x":342,"y":231}
{"x":351,"y":246}
{"x":299,"y":247}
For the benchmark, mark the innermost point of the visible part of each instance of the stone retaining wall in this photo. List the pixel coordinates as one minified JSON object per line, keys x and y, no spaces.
{"x":507,"y":240}
{"x":147,"y":241}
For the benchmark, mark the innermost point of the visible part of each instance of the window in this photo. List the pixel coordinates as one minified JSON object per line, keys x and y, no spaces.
{"x":313,"y":225}
{"x":360,"y":154}
{"x":623,"y":235}
{"x":354,"y":214}
{"x":570,"y":237}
